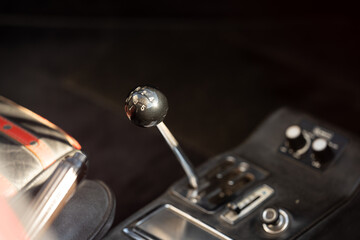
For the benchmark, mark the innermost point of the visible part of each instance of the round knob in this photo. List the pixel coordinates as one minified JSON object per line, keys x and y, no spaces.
{"x":321,"y":150}
{"x":146,"y":106}
{"x":295,"y":137}
{"x":270,"y":216}
{"x":274,"y":220}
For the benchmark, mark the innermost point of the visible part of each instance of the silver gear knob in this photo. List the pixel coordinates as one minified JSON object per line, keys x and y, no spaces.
{"x":147,"y":107}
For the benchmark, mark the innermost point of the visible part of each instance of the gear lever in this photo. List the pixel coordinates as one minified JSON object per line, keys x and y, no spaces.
{"x":147,"y":107}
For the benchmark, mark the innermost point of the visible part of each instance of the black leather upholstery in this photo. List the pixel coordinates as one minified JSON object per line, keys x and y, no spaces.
{"x":87,"y":215}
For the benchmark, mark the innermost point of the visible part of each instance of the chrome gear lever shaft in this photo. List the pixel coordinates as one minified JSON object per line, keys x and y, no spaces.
{"x":184,"y":161}
{"x":147,"y":107}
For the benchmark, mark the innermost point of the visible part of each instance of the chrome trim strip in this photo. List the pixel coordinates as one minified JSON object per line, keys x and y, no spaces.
{"x":248,"y":203}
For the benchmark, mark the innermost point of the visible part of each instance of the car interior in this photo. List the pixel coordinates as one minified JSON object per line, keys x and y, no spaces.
{"x":192,"y":120}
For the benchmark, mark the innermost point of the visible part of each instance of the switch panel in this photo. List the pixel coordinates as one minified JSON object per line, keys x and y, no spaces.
{"x":320,"y":146}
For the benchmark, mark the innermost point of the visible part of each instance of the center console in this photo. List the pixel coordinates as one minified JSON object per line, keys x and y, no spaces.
{"x":290,"y":175}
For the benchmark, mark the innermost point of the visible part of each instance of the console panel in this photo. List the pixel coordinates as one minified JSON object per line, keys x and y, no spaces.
{"x":283,"y":196}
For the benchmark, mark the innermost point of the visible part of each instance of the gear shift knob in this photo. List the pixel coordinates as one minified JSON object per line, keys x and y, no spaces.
{"x":147,"y":107}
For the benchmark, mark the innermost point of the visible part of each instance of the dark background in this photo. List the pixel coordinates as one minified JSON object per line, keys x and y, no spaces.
{"x":224,"y":66}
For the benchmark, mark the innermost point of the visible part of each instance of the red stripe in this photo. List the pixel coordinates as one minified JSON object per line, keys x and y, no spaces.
{"x":38,"y":147}
{"x":44,"y":121}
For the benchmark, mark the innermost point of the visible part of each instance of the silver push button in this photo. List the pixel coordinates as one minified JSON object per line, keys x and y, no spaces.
{"x":274,"y":220}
